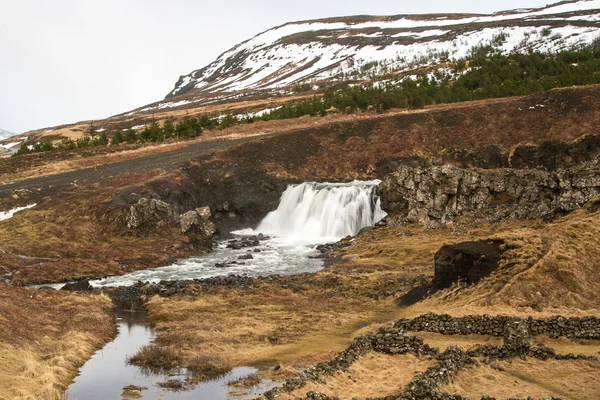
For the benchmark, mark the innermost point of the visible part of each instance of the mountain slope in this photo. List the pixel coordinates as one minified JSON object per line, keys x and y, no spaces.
{"x":363,"y":46}
{"x":5,"y":134}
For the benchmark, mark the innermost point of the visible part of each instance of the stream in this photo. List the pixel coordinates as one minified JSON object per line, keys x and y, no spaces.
{"x":106,"y":374}
{"x":285,"y":242}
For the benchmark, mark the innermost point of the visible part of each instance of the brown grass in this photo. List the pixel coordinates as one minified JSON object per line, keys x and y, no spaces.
{"x":207,"y":367}
{"x":63,"y":238}
{"x":245,"y":382}
{"x":132,"y":392}
{"x":316,"y":315}
{"x":465,"y":341}
{"x":45,"y":337}
{"x":570,"y":380}
{"x":156,"y":358}
{"x":564,"y":345}
{"x":547,"y":268}
{"x":427,"y":133}
{"x":374,"y":375}
{"x":266,"y":324}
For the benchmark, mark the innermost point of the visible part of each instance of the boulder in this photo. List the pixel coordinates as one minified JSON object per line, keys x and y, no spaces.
{"x":467,"y":261}
{"x":198,"y":222}
{"x":78,"y":286}
{"x":150,"y":213}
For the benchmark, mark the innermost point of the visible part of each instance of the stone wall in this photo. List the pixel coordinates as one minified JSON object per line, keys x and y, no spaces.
{"x":436,"y":196}
{"x":556,"y":326}
{"x":426,"y":384}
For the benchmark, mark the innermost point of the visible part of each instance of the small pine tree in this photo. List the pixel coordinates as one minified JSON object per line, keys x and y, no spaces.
{"x":131,"y":136}
{"x":117,"y":138}
{"x":168,"y":128}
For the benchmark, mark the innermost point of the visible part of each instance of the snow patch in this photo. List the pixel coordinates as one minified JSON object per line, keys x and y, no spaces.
{"x":4,"y":215}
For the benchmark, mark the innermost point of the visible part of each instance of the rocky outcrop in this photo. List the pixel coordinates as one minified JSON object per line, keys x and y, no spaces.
{"x":197,"y":221}
{"x":436,"y":196}
{"x":468,"y":262}
{"x":150,"y":213}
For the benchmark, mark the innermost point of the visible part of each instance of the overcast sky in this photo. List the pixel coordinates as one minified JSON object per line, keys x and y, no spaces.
{"x":63,"y":61}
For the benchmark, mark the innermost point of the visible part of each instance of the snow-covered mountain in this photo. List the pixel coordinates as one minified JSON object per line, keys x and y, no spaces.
{"x":8,"y":144}
{"x":362,"y":46}
{"x":5,"y":134}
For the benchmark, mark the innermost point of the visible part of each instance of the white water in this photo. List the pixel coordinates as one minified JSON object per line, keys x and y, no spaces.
{"x":315,"y":212}
{"x":308,"y":214}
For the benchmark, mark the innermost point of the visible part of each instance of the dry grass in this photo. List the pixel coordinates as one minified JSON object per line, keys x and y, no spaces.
{"x":207,"y":367}
{"x":465,"y":341}
{"x":45,"y":337}
{"x":156,"y":358}
{"x":374,"y":375}
{"x":570,"y":380}
{"x":564,"y":345}
{"x":317,"y":315}
{"x":245,"y":382}
{"x":132,"y":392}
{"x":267,"y":324}
{"x":354,"y":154}
{"x":550,"y":268}
{"x":65,"y":238}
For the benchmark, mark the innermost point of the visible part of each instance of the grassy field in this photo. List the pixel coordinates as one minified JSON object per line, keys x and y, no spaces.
{"x":45,"y":336}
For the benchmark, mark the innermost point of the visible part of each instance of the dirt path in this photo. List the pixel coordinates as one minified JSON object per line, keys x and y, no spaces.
{"x":165,"y":160}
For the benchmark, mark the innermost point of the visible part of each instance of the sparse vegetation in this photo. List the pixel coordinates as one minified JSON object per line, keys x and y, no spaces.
{"x":156,"y":358}
{"x":207,"y":367}
{"x":246,"y":381}
{"x":187,"y":128}
{"x":45,"y":336}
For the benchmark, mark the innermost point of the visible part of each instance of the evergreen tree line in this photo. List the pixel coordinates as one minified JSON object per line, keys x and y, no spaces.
{"x":485,"y":74}
{"x":187,"y":128}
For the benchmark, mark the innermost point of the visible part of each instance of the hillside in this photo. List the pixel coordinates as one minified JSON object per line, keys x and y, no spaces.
{"x":6,"y":144}
{"x":5,"y":134}
{"x":365,"y":46}
{"x":292,"y":63}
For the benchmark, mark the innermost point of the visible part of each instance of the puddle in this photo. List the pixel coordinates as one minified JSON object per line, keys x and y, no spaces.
{"x":104,"y":376}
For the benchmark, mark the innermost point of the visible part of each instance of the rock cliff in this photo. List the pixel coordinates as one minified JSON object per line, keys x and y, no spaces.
{"x":436,"y":196}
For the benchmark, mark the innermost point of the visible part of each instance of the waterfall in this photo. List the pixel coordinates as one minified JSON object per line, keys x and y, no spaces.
{"x":316,"y":211}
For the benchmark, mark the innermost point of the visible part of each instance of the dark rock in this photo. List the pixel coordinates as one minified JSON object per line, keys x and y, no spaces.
{"x":516,"y":335}
{"x":246,"y":257}
{"x":467,"y":261}
{"x":366,"y":229}
{"x":436,"y":196}
{"x":46,"y":288}
{"x":78,"y":286}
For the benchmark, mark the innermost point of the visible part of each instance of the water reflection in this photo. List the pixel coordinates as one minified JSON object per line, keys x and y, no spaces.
{"x":106,"y":374}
